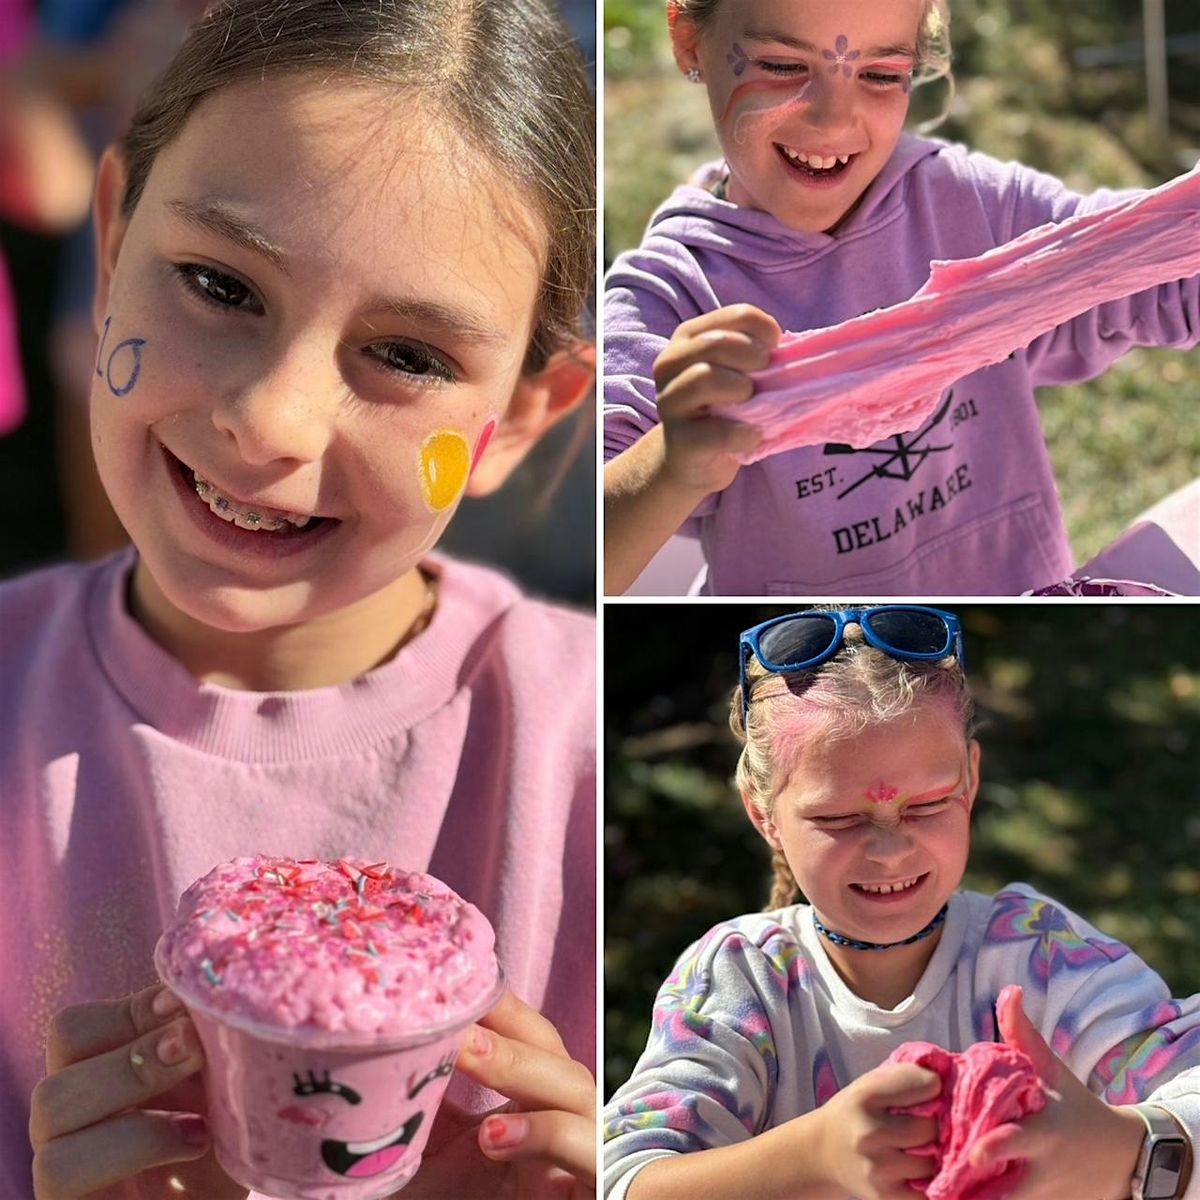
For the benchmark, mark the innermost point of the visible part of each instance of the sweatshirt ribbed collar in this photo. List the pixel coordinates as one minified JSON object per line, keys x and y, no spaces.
{"x":694,"y":217}
{"x":292,"y":726}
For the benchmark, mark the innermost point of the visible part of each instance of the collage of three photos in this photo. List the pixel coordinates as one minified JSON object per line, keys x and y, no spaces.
{"x":598,"y":600}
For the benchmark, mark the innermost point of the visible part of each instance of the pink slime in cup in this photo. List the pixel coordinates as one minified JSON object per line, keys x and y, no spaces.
{"x":332,"y":1000}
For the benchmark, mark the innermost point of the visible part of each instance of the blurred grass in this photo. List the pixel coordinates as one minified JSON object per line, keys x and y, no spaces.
{"x":1120,"y":443}
{"x":1091,"y":777}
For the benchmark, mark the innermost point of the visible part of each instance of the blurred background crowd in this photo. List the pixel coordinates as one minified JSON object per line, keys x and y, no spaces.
{"x":71,"y":72}
{"x":1060,"y":85}
{"x":1090,"y":729}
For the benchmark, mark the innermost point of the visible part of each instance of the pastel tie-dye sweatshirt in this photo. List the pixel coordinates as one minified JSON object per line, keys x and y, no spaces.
{"x":754,"y":1027}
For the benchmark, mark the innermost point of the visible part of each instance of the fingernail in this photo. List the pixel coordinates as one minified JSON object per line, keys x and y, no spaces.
{"x":481,"y":1041}
{"x":166,"y":1003}
{"x":170,"y":1048}
{"x":501,"y":1133}
{"x":193,"y":1129}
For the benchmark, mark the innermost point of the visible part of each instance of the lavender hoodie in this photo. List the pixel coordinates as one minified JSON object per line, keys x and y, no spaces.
{"x":965,"y":505}
{"x":122,"y":779}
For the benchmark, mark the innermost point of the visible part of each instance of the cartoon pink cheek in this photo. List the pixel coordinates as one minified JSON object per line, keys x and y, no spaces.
{"x":313,"y":1117}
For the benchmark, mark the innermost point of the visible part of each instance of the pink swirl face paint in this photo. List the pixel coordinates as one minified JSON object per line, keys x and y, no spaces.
{"x":761,"y":100}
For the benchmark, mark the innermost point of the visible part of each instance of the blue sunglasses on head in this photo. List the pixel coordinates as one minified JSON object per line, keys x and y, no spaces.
{"x":799,"y":641}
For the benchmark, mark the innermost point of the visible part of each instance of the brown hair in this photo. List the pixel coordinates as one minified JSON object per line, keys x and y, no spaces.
{"x":509,"y":75}
{"x":933,"y":41}
{"x":858,"y":687}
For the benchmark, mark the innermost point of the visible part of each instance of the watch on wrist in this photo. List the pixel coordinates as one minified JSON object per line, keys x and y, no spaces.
{"x":1162,"y":1166}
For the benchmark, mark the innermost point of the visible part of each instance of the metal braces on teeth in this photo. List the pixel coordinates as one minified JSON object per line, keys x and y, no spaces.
{"x":204,"y":488}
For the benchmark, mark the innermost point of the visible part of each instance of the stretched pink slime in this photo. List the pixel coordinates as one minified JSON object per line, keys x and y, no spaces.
{"x":884,"y":373}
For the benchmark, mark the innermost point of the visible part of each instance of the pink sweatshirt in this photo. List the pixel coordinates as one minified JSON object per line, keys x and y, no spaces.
{"x":122,"y":779}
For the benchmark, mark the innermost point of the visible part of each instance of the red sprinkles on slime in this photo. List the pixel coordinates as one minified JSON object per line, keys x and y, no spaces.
{"x":343,"y":945}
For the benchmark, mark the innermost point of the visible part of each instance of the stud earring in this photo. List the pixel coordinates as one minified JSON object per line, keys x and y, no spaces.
{"x":695,"y":75}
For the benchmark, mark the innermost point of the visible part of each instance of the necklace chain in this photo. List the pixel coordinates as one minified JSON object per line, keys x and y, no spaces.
{"x":840,"y":939}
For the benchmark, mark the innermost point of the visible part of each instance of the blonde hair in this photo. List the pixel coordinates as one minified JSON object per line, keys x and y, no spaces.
{"x":934,"y":52}
{"x":859,"y":687}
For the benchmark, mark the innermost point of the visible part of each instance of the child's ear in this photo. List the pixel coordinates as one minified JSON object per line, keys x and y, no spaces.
{"x":684,"y":38}
{"x":974,"y":755}
{"x":538,"y":402}
{"x":764,"y":825}
{"x":110,"y":228}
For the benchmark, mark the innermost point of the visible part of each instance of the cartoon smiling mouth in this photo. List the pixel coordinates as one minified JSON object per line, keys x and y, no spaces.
{"x":361,"y":1160}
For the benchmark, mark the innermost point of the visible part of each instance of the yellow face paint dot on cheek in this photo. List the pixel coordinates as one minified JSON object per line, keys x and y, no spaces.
{"x":445,"y":464}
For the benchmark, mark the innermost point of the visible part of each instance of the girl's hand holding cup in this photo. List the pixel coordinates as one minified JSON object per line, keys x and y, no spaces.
{"x":702,"y":376}
{"x":543,"y":1147}
{"x":120,"y":1106}
{"x":865,"y":1147}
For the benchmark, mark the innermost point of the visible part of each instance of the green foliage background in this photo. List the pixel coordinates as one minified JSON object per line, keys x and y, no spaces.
{"x":1090,"y":782}
{"x":1119,"y":443}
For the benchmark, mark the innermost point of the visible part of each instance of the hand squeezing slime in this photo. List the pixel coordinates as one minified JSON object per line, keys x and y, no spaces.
{"x":883,"y":373}
{"x":986,"y":1086}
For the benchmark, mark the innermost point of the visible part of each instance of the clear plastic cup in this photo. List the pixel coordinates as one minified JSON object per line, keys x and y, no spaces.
{"x":313,"y":1115}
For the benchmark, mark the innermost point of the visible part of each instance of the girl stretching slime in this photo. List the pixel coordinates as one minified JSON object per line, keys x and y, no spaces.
{"x":762,"y":1076}
{"x":824,"y":209}
{"x":344,"y":250}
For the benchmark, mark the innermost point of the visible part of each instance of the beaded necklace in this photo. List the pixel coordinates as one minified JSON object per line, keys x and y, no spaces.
{"x":839,"y":939}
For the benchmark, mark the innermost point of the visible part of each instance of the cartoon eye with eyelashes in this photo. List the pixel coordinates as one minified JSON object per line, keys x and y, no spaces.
{"x":312,"y":1086}
{"x":443,"y":1068}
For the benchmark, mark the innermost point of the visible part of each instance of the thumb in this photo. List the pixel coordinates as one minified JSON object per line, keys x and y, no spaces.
{"x":900,"y":1085}
{"x":1001,"y":1143}
{"x":1019,"y":1032}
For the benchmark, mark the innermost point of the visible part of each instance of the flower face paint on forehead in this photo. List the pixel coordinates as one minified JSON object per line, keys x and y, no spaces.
{"x":841,"y":56}
{"x":882,"y":793}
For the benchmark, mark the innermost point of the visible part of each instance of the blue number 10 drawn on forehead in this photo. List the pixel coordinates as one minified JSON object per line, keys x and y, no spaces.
{"x":135,"y":346}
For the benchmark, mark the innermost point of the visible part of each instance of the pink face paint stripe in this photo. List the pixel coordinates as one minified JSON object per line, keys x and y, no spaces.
{"x":482,"y":444}
{"x":756,"y":87}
